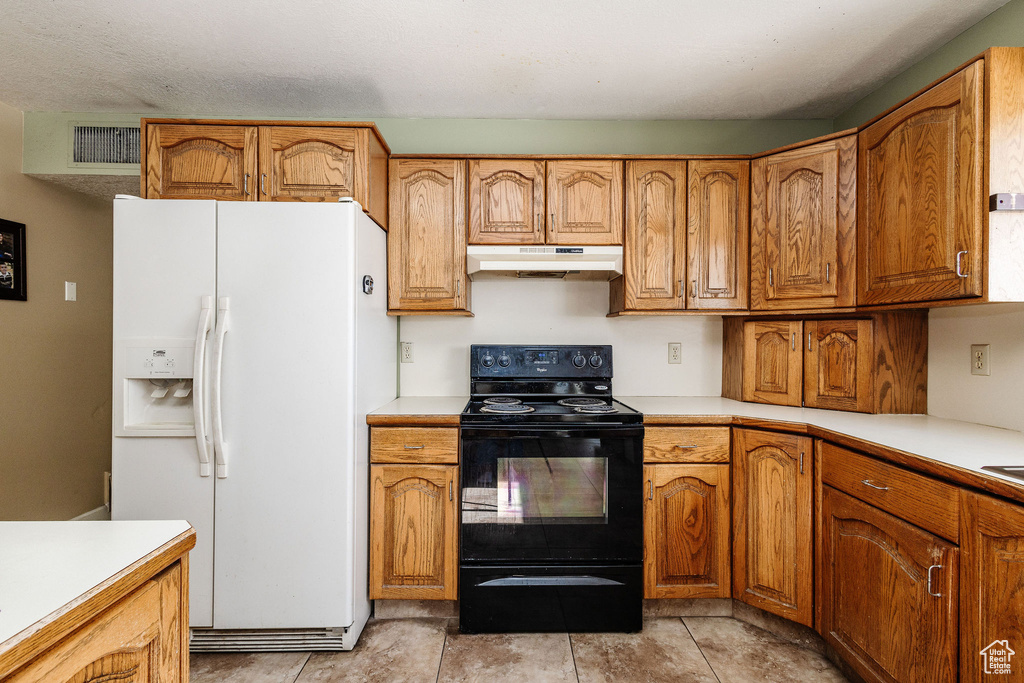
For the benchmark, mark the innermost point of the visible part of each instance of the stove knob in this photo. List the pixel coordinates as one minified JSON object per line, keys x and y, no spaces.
{"x":596,"y":361}
{"x":579,"y":361}
{"x":487,"y":361}
{"x":504,"y":361}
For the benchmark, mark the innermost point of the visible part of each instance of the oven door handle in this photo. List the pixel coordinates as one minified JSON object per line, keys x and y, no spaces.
{"x":511,"y":581}
{"x":587,"y":432}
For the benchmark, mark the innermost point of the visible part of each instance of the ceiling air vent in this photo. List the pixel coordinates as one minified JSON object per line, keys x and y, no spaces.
{"x":106,"y":144}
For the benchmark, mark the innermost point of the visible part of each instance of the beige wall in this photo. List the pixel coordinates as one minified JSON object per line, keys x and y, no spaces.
{"x":54,"y":355}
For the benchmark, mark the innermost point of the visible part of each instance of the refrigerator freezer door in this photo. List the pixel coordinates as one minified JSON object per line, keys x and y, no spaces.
{"x":286,"y":392}
{"x":164,"y":264}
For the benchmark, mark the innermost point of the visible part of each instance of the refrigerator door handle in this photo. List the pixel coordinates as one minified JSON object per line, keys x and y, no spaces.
{"x":198,"y":388}
{"x":223,"y":304}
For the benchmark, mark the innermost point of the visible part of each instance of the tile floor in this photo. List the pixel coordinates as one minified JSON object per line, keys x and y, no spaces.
{"x":715,"y":649}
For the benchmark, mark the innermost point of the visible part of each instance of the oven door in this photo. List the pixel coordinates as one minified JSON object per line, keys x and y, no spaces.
{"x":552,"y":494}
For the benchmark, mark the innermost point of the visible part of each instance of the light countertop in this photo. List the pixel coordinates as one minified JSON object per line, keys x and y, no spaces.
{"x":958,"y":444}
{"x":46,"y":565}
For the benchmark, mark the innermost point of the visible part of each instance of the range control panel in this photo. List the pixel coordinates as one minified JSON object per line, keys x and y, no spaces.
{"x":494,"y":360}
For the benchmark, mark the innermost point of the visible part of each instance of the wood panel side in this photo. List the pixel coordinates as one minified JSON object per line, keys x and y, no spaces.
{"x":900,"y":362}
{"x":377,"y":179}
{"x":732,"y":358}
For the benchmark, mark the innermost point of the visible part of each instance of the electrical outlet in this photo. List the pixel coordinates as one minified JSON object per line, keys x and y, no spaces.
{"x":675,"y":352}
{"x":979,"y":360}
{"x":406,"y":352}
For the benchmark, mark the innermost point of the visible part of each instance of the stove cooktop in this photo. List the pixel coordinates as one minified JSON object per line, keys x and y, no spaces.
{"x":548,"y":411}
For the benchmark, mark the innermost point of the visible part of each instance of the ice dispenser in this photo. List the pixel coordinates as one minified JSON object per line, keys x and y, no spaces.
{"x":155,"y":396}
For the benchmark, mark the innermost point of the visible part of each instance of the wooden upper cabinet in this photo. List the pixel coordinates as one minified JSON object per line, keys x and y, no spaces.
{"x":655,"y":248}
{"x":773,"y":362}
{"x":686,"y":532}
{"x":772,"y":520}
{"x":185,"y":161}
{"x":266,"y":161}
{"x":506,"y":201}
{"x":305,"y":163}
{"x":427,"y":239}
{"x":584,"y":202}
{"x":992,"y":580}
{"x":717,"y":234}
{"x":802,"y":227}
{"x":413,"y":532}
{"x":888,"y":601}
{"x":837,"y":365}
{"x":921,"y":202}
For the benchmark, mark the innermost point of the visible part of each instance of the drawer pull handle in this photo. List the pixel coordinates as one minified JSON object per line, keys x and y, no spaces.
{"x":867,"y":482}
{"x":934,"y":566}
{"x":414,"y":448}
{"x":692,"y":445}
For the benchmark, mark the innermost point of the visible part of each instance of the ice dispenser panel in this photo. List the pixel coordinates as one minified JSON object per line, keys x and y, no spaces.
{"x":155,"y":393}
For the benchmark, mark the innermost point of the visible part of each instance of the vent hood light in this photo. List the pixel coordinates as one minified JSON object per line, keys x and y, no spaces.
{"x":569,"y":262}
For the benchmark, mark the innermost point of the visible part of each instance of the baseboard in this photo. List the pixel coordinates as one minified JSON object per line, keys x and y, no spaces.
{"x":99,"y":514}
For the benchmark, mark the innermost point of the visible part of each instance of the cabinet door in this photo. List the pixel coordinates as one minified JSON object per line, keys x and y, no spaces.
{"x":773,"y":362}
{"x":772,"y":514}
{"x":506,"y":201}
{"x":920,"y":206}
{"x":313,"y":163}
{"x":837,"y":364}
{"x":200,"y":162}
{"x":889,"y":593}
{"x":584,"y":202}
{"x":427,"y":236}
{"x":717,"y":234}
{"x":992,"y":588}
{"x":802,"y":220}
{"x":413,"y":532}
{"x":655,"y":249}
{"x":686,"y":531}
{"x":137,"y":640}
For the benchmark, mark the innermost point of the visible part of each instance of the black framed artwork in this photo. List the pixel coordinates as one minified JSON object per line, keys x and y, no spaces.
{"x":13,"y":284}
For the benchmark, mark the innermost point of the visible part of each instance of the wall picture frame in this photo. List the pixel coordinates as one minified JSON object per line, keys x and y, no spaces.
{"x":13,"y":283}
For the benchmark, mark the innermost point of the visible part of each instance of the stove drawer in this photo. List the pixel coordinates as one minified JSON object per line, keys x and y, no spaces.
{"x":686,"y":444}
{"x":438,"y":445}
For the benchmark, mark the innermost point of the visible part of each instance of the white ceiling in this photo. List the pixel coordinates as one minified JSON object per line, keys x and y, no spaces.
{"x":534,"y":59}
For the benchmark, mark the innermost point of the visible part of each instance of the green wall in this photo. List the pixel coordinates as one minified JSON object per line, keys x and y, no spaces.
{"x":1002,"y":28}
{"x":47,"y":137}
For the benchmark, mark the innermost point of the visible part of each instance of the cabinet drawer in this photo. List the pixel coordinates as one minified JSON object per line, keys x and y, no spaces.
{"x":414,"y":444}
{"x":686,"y":444}
{"x":920,"y":500}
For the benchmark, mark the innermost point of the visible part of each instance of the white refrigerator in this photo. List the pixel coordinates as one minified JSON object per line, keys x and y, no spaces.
{"x":250,"y":341}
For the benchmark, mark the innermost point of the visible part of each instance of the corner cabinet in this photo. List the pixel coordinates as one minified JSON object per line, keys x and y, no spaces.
{"x":414,"y":513}
{"x":427,"y":239}
{"x":265,"y":161}
{"x":802,"y":224}
{"x":773,"y":490}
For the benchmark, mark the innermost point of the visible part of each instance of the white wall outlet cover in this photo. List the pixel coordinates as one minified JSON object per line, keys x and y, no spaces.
{"x":406,"y":352}
{"x":70,"y":291}
{"x":675,"y":352}
{"x":980,"y":360}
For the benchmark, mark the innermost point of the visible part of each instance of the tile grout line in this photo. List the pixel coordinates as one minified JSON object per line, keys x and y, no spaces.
{"x":440,"y":661}
{"x":572,"y":653}
{"x":701,"y":650}
{"x":298,"y":675}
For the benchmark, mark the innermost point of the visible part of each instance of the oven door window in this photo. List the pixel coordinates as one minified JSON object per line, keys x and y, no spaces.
{"x":537,"y":497}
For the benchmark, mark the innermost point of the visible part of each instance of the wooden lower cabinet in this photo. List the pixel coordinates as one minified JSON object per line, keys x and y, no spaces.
{"x":888,"y":600}
{"x":772,"y":523}
{"x":414,"y":532}
{"x":141,"y":639}
{"x":686,"y":531}
{"x":992,"y":589}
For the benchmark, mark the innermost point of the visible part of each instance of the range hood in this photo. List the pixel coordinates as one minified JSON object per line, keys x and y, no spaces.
{"x":555,"y":261}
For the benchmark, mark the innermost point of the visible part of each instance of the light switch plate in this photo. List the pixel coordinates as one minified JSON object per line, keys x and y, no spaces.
{"x":70,"y":291}
{"x":979,"y":360}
